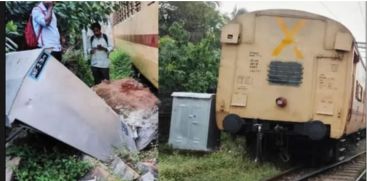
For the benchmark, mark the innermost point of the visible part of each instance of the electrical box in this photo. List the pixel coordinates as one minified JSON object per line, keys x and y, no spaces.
{"x":192,"y":122}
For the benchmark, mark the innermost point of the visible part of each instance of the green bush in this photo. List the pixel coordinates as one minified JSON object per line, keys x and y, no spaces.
{"x":186,"y":66}
{"x":120,"y":65}
{"x":46,"y":164}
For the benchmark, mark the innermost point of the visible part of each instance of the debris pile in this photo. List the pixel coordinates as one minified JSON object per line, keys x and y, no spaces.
{"x":120,"y":170}
{"x":135,"y":104}
{"x":138,"y":108}
{"x":126,"y":95}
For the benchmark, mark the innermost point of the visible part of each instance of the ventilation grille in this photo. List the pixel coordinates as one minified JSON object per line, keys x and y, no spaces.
{"x":285,"y":73}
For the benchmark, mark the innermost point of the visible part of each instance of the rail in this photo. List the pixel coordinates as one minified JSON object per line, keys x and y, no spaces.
{"x":350,"y":169}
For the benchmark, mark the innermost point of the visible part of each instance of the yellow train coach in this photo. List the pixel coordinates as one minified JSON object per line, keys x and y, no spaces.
{"x":287,"y":72}
{"x":135,"y":31}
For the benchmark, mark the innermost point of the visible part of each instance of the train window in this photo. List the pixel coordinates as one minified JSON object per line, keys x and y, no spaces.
{"x":131,"y":8}
{"x":127,"y":9}
{"x":137,"y":6}
{"x":359,"y":91}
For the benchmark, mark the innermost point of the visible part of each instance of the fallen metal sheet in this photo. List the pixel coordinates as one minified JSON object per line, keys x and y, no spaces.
{"x":45,"y":95}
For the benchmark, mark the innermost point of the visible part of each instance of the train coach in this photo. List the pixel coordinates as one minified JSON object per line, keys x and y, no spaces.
{"x":135,"y":31}
{"x":291,"y":77}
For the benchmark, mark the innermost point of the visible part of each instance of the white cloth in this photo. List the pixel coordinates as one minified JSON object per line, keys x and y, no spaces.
{"x":50,"y":36}
{"x":100,"y":57}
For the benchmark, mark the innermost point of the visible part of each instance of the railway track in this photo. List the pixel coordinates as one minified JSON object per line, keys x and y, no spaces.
{"x":350,"y":169}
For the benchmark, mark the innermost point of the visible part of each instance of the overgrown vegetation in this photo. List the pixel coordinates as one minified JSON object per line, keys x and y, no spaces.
{"x":72,"y":17}
{"x":189,"y":46}
{"x":186,"y":66}
{"x":49,"y":160}
{"x":120,"y":65}
{"x":229,"y":162}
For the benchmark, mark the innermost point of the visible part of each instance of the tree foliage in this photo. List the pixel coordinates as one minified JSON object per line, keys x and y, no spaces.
{"x":189,"y":46}
{"x":72,"y":16}
{"x":186,"y":66}
{"x":198,"y":18}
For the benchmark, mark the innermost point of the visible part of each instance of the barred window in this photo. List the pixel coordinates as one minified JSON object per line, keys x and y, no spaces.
{"x":126,"y":10}
{"x":137,"y":6}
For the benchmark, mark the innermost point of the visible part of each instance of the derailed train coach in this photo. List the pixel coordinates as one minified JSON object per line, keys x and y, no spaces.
{"x":135,"y":31}
{"x":291,"y":77}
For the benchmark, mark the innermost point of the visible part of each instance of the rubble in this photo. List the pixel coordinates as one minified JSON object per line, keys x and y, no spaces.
{"x":122,"y":170}
{"x":135,"y":104}
{"x":147,"y":177}
{"x":145,"y":167}
{"x":99,"y":172}
{"x":11,"y":165}
{"x":137,"y":108}
{"x":145,"y":126}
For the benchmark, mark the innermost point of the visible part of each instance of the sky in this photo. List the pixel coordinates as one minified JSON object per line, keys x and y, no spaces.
{"x":351,"y":14}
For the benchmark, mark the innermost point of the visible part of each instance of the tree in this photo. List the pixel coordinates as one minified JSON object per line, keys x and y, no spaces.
{"x":189,"y":46}
{"x":72,"y":17}
{"x":198,"y":18}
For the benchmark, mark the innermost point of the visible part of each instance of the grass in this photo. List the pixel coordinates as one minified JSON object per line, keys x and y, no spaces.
{"x":230,"y":162}
{"x":121,"y":65}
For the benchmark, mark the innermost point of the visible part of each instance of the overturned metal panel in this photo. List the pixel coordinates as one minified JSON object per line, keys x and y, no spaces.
{"x":16,"y":69}
{"x":53,"y":100}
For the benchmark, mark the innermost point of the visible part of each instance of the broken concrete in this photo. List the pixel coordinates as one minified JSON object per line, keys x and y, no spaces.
{"x":122,"y":170}
{"x":147,"y":177}
{"x":99,"y":172}
{"x":145,"y":125}
{"x":146,"y":166}
{"x":11,"y":165}
{"x":135,"y":104}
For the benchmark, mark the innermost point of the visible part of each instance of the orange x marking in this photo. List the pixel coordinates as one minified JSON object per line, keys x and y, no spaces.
{"x":288,"y":37}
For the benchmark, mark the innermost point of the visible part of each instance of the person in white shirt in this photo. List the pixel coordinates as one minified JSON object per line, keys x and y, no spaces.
{"x":44,"y":17}
{"x":99,"y":48}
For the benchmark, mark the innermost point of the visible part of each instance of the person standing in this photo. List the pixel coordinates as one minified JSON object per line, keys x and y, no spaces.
{"x":44,"y":17}
{"x":99,"y":47}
